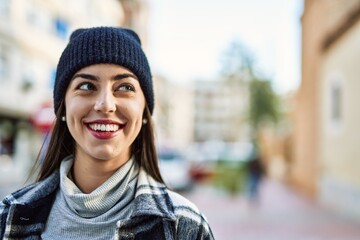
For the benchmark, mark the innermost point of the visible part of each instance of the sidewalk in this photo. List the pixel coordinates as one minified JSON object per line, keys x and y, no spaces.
{"x":280,"y":214}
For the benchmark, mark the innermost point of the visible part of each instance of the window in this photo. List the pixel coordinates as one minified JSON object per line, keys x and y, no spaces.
{"x":62,"y":28}
{"x":336,"y":103}
{"x":7,"y":137}
{"x":4,"y":8}
{"x":52,"y":78}
{"x":31,"y":16}
{"x":335,"y":93}
{"x":37,"y":16}
{"x":4,"y":64}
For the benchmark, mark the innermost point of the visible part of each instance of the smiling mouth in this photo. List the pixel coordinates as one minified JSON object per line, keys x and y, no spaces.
{"x":104,"y":127}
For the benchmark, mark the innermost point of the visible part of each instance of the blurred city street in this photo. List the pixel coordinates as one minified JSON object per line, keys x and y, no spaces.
{"x":280,"y":214}
{"x":234,"y":82}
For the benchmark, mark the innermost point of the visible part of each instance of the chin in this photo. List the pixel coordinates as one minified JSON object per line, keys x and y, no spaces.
{"x":109,"y":156}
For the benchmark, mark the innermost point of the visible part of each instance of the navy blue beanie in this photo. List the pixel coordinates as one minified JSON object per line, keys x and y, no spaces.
{"x":88,"y":46}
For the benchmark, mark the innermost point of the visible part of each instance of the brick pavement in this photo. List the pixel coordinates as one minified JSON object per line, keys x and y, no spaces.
{"x":280,"y":214}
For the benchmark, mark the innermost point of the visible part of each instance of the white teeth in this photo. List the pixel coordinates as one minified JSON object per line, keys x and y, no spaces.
{"x":104,"y":127}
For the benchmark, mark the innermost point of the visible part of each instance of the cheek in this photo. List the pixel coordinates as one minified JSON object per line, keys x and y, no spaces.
{"x":134,"y":109}
{"x":73,"y":107}
{"x":75,"y":110}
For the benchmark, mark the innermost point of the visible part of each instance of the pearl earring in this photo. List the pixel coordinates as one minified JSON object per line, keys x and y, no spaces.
{"x":63,"y":119}
{"x":144,"y":121}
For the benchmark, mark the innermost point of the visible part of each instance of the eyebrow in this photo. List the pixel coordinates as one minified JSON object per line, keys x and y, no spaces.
{"x":96,"y":78}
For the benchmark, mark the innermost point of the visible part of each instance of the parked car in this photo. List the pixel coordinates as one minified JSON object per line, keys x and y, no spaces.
{"x":175,"y":170}
{"x":237,"y":152}
{"x":206,"y":157}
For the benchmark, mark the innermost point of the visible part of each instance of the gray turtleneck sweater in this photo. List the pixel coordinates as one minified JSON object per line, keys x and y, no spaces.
{"x":76,"y":215}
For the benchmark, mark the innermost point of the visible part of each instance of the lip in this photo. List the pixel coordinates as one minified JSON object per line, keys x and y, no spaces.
{"x":103,"y":134}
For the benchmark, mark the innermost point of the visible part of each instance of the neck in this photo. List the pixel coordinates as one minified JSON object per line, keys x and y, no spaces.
{"x":89,"y":174}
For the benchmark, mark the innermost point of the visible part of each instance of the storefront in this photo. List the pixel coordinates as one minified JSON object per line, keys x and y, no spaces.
{"x":20,"y":142}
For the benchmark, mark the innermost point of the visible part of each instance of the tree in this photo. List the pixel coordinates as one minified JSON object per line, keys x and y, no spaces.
{"x":239,"y":65}
{"x":263,"y":104}
{"x":237,"y":61}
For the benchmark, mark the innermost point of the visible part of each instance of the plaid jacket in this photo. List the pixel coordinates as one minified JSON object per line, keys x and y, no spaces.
{"x":159,"y":213}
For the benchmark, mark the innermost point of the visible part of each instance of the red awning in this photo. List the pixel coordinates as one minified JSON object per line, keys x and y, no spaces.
{"x":43,"y":118}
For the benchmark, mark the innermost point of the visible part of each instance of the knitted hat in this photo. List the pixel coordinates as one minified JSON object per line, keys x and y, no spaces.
{"x":96,"y":45}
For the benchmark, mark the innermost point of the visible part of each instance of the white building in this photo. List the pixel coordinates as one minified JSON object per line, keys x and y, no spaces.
{"x":33,"y":34}
{"x":220,"y":111}
{"x":173,"y":114}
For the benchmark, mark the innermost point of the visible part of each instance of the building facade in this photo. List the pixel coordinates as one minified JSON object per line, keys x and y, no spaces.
{"x":32,"y":37}
{"x":173,"y":114}
{"x":326,"y":156}
{"x":220,"y":113}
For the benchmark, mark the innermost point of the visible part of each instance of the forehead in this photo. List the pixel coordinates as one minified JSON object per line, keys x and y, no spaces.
{"x":104,"y":69}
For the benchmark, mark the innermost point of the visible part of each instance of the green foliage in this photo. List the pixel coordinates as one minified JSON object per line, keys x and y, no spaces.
{"x":230,"y":177}
{"x":236,"y":60}
{"x":263,"y":104}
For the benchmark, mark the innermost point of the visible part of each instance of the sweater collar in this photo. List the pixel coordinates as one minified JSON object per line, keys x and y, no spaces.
{"x":101,"y":199}
{"x":152,"y":198}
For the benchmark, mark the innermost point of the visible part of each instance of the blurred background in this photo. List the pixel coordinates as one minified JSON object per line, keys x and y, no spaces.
{"x":256,"y":104}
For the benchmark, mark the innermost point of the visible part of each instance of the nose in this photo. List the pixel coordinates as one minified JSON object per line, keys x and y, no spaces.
{"x":105,"y":102}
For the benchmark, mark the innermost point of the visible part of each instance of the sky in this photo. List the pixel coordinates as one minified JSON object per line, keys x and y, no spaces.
{"x":188,"y":37}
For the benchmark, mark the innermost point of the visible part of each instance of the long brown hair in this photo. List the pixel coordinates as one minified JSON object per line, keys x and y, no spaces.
{"x":62,"y":144}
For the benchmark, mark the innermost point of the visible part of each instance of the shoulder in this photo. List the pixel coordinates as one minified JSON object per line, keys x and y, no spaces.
{"x":32,"y":192}
{"x":27,"y":209}
{"x":155,"y":198}
{"x":190,"y":221}
{"x":11,"y":201}
{"x":175,"y":202}
{"x":15,"y":203}
{"x":182,"y":204}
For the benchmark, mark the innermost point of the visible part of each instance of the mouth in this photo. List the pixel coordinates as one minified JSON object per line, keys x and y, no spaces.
{"x":99,"y":127}
{"x":104,"y":129}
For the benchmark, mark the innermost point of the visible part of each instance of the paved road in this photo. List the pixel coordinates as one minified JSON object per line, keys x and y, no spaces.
{"x":280,"y":214}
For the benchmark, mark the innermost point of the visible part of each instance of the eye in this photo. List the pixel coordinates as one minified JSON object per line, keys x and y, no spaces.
{"x":87,"y":86}
{"x":126,"y":87}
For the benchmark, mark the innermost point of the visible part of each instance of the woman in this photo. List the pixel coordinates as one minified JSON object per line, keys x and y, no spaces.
{"x":100,"y":177}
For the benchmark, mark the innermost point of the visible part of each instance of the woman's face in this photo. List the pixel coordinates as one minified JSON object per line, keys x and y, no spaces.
{"x":104,"y":111}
